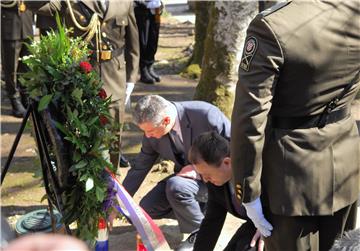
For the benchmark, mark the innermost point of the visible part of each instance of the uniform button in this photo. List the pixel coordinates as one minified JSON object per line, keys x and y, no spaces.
{"x":104,"y":47}
{"x":238,"y":186}
{"x":103,"y":24}
{"x":123,"y":22}
{"x":238,"y":196}
{"x":82,"y":18}
{"x":103,"y":34}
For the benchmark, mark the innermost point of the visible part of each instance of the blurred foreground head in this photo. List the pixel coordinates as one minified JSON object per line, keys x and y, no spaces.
{"x":46,"y":242}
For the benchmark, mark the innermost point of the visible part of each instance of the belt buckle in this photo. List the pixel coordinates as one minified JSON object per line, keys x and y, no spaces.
{"x":105,"y":55}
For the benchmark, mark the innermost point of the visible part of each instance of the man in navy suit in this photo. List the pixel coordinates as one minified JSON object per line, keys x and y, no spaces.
{"x":210,"y":156}
{"x":169,"y":130}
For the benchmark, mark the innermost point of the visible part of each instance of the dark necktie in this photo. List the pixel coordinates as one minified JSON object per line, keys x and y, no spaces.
{"x":177,"y":147}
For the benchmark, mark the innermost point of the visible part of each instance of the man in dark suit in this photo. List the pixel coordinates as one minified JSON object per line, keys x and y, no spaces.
{"x":170,"y":128}
{"x":115,"y":47}
{"x":295,"y":146}
{"x":16,"y":30}
{"x":210,"y":156}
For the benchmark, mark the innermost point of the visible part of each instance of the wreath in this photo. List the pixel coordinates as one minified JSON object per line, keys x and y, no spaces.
{"x":62,"y":80}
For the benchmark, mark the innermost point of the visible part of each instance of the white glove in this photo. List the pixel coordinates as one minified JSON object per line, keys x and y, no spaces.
{"x":255,"y":213}
{"x":129,"y":90}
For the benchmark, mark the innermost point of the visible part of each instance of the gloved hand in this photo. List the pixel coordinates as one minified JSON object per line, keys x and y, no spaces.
{"x":129,"y":90}
{"x":255,"y":213}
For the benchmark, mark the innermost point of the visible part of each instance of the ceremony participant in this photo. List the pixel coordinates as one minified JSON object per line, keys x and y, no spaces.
{"x":294,"y":143}
{"x":16,"y":30}
{"x":116,"y":48}
{"x":147,"y":13}
{"x":210,"y":156}
{"x":169,"y":130}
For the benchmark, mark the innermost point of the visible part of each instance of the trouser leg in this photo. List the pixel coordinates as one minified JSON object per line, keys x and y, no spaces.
{"x":289,"y":233}
{"x":295,"y":232}
{"x":182,"y":194}
{"x":155,"y":202}
{"x":9,"y":56}
{"x":153,"y":38}
{"x":333,"y":226}
{"x":22,"y":68}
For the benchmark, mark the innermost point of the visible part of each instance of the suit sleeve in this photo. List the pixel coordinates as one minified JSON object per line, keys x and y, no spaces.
{"x":219,"y":122}
{"x":258,"y":74}
{"x":140,"y":167}
{"x":132,"y":47}
{"x":211,"y":225}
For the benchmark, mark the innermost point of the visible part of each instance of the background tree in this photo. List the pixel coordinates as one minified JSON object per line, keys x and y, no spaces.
{"x":201,"y":9}
{"x":225,"y":37}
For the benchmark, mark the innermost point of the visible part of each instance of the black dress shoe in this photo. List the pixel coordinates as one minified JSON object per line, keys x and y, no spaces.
{"x":153,"y":73}
{"x":124,"y":162}
{"x":188,"y":244}
{"x":145,"y":76}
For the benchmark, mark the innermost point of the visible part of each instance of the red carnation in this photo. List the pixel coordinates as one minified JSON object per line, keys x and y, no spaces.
{"x":85,"y":66}
{"x":103,"y":120}
{"x":102,"y":94}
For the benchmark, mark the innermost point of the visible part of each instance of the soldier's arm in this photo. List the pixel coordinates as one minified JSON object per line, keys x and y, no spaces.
{"x":258,"y":73}
{"x":132,"y":48}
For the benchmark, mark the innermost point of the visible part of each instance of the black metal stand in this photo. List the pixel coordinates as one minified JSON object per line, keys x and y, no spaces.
{"x":50,"y":180}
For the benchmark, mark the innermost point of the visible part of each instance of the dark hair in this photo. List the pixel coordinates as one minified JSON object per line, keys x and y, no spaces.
{"x":209,"y":147}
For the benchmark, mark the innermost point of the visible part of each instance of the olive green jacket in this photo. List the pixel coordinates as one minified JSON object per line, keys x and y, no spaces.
{"x":118,"y":28}
{"x":297,"y":57}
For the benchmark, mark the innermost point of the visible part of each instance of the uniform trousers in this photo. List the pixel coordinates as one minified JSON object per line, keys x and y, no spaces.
{"x":148,"y":35}
{"x":294,"y":232}
{"x":11,"y":51}
{"x":180,"y":197}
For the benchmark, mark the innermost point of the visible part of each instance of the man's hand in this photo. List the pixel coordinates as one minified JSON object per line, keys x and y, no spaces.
{"x":257,"y":238}
{"x":255,"y":213}
{"x":189,"y":172}
{"x":129,"y":90}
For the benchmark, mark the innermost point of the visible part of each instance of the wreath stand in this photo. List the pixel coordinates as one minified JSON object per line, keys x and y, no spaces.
{"x":51,"y":181}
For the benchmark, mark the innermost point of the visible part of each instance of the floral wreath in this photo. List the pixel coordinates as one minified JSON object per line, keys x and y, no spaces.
{"x":61,"y":76}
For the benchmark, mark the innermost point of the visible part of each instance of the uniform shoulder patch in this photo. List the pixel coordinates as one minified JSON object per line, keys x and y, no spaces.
{"x":251,"y":45}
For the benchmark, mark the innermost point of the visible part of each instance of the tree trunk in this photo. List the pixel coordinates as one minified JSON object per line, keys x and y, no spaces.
{"x":193,"y":70}
{"x":201,"y":23}
{"x":223,"y":49}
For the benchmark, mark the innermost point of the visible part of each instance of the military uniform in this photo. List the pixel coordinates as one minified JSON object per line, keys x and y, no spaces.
{"x":118,"y":64}
{"x":304,"y":162}
{"x":148,"y":22}
{"x":16,"y":28}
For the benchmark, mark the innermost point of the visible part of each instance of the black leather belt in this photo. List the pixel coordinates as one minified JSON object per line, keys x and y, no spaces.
{"x":308,"y":121}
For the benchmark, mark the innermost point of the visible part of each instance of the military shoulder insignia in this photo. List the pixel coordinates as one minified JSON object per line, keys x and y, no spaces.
{"x":250,"y":48}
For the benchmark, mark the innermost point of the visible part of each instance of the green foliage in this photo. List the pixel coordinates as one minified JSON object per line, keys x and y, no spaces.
{"x":60,"y":76}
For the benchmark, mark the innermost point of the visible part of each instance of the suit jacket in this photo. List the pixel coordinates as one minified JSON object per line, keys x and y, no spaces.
{"x":118,"y":28}
{"x":195,"y":118}
{"x":289,"y":69}
{"x":16,"y":25}
{"x":218,"y":205}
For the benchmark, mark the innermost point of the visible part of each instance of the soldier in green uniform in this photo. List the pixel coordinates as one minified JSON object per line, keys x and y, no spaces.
{"x":16,"y":28}
{"x":294,"y":142}
{"x":115,"y":46}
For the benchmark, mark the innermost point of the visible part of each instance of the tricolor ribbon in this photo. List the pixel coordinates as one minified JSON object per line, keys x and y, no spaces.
{"x":150,"y":233}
